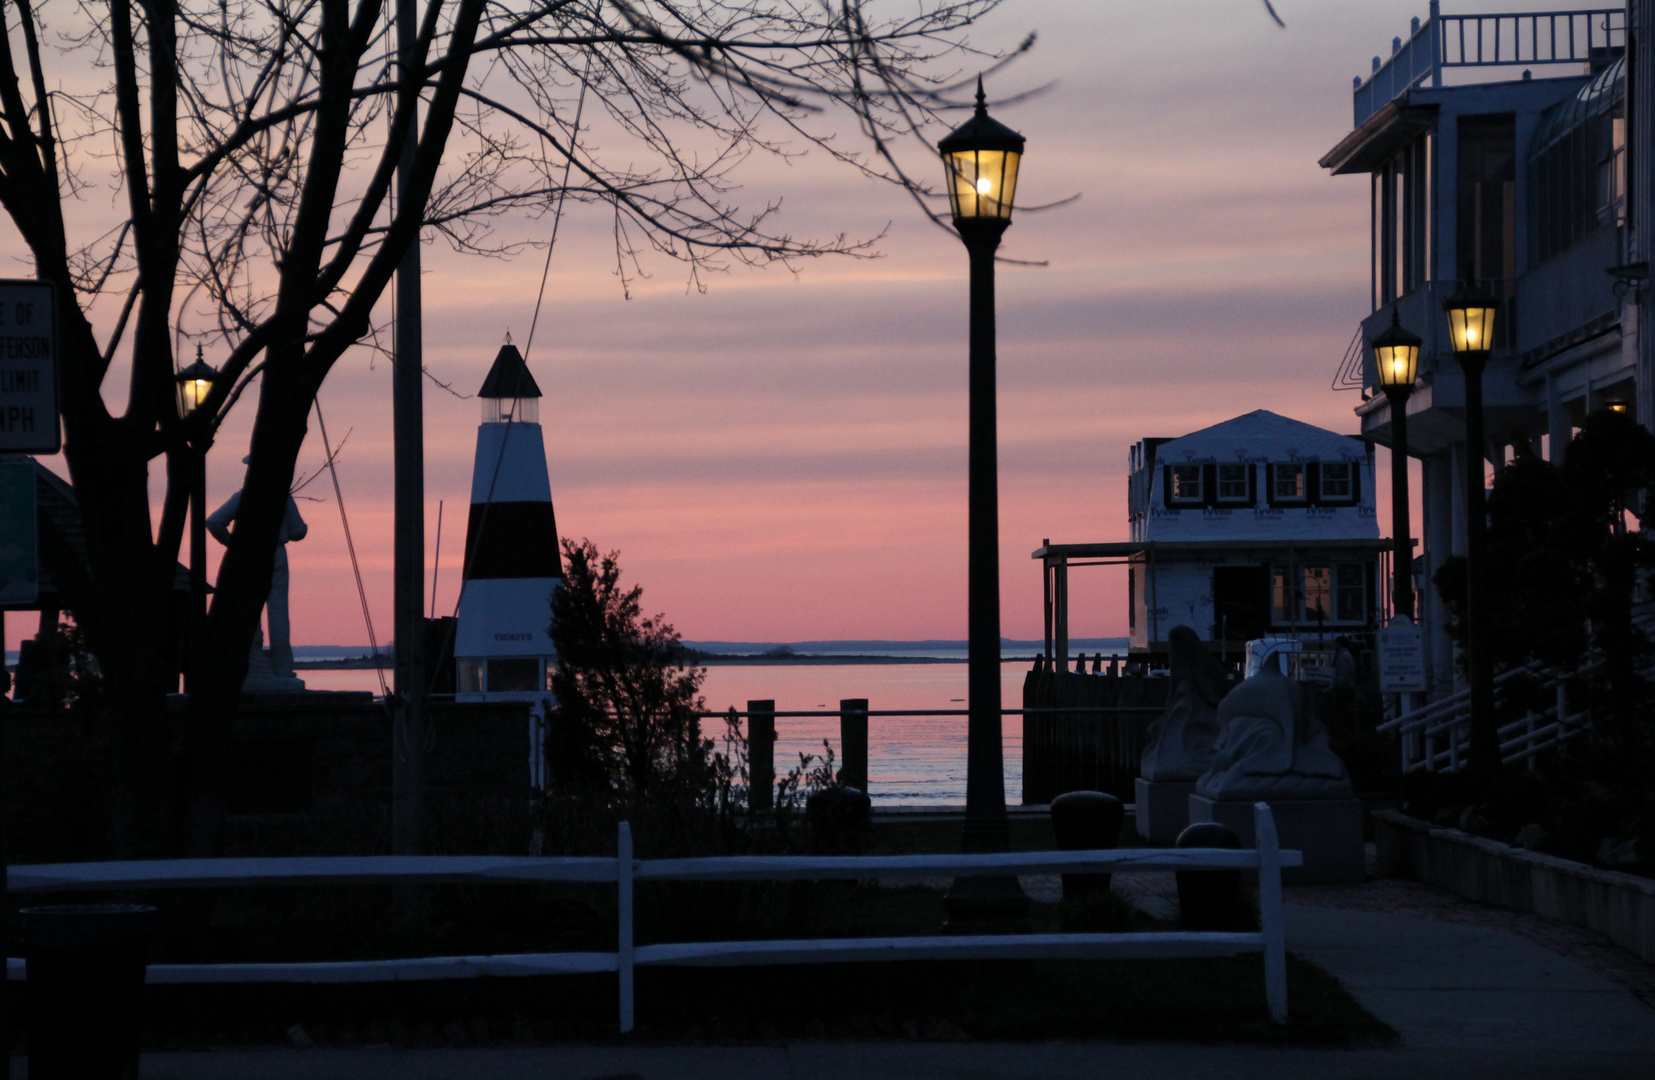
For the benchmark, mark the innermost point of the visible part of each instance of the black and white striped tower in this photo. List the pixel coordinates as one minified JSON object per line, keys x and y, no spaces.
{"x":512,"y":563}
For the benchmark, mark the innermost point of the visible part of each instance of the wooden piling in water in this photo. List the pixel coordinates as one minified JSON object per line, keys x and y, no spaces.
{"x":853,"y":742}
{"x":761,"y":754}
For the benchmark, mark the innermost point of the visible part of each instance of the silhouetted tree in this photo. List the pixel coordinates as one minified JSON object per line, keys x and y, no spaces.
{"x":252,"y":147}
{"x":626,"y":699}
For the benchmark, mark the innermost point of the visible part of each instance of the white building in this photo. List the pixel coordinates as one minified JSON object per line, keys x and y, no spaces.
{"x":1258,"y":525}
{"x":1502,"y":158}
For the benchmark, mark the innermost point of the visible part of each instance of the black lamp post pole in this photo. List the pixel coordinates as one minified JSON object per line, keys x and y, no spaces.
{"x":1402,"y":558}
{"x":198,"y":563}
{"x":986,"y":827}
{"x":1485,"y":738}
{"x":984,"y":904}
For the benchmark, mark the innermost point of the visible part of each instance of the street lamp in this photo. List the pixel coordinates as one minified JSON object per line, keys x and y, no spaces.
{"x":1397,"y":353}
{"x":981,"y":158}
{"x":1471,"y":313}
{"x":194,"y":384}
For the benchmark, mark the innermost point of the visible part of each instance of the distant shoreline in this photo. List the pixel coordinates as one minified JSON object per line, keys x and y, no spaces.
{"x":364,"y":663}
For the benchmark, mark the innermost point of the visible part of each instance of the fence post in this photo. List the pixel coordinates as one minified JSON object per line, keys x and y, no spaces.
{"x":761,"y":754}
{"x":623,"y":951}
{"x":853,"y":742}
{"x":1270,"y":912}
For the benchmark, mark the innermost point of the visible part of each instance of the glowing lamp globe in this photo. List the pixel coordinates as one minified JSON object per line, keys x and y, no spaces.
{"x":194,"y":384}
{"x":1471,"y":313}
{"x":981,"y":158}
{"x":1396,"y":352}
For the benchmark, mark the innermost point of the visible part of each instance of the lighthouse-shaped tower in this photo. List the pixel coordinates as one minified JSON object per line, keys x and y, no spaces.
{"x":501,"y":645}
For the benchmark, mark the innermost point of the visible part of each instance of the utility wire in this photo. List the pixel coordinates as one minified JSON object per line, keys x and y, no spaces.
{"x":362,"y":594}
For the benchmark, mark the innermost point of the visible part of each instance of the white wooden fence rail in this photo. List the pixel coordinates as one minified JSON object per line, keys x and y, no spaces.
{"x":1267,"y":859}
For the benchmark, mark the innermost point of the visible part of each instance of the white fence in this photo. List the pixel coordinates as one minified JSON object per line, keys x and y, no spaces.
{"x":1267,"y":859}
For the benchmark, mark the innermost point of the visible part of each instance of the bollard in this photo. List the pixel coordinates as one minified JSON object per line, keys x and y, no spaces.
{"x":839,"y":819}
{"x":853,"y":743}
{"x":85,"y":977}
{"x":1086,"y":821}
{"x":1209,"y":899}
{"x":761,"y":754}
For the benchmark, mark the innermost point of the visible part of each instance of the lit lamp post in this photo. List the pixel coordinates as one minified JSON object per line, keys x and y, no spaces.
{"x":194,"y":383}
{"x":1396,"y":352}
{"x":1471,"y":314}
{"x":981,"y":158}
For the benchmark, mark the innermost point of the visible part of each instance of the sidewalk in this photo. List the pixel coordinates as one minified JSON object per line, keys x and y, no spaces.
{"x":1475,"y":993}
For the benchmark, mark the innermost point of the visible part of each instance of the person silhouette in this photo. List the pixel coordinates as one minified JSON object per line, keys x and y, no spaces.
{"x":293,"y":528}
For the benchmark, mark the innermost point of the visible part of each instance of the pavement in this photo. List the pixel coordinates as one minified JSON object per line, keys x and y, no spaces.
{"x":1473,"y":992}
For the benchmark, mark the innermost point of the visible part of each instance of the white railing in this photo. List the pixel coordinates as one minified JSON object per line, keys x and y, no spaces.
{"x":1267,"y":859}
{"x":1436,"y":737}
{"x":1488,"y":40}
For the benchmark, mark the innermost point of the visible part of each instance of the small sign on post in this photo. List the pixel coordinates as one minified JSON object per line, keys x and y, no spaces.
{"x":1401,"y":657}
{"x":28,"y":368}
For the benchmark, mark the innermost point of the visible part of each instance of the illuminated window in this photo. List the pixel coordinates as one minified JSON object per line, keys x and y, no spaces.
{"x":470,"y":676}
{"x":1186,"y":483}
{"x":1319,"y":594}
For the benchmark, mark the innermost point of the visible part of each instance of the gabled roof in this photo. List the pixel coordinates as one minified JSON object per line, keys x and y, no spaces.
{"x":509,"y":377}
{"x":1262,"y":436}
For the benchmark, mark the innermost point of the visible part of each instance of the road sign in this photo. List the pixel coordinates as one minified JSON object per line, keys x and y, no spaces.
{"x":1401,"y":657}
{"x":19,"y":550}
{"x":28,"y":367}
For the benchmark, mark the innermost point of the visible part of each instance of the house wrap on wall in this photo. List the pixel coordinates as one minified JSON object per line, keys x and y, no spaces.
{"x":1258,"y":525}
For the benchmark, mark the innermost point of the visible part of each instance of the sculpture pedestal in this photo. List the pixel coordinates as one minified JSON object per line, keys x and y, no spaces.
{"x":1163,"y":809}
{"x":1328,"y":831}
{"x":261,"y":673}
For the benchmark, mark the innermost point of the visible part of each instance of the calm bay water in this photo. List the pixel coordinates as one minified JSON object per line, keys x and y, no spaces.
{"x":912,"y":760}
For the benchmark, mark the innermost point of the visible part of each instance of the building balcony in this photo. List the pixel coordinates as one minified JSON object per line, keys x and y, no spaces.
{"x":1436,"y":410}
{"x":1525,"y":40}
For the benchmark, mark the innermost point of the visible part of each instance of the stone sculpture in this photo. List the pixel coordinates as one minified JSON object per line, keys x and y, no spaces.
{"x":1270,"y":746}
{"x":1180,"y":744}
{"x":219,"y":523}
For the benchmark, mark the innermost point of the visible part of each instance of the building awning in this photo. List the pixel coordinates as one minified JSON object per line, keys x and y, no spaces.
{"x":1379,"y":137}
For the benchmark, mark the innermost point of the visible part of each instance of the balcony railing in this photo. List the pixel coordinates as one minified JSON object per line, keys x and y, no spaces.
{"x":1509,"y":40}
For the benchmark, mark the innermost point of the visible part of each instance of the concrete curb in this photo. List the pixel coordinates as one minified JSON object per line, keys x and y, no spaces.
{"x":1619,"y":906}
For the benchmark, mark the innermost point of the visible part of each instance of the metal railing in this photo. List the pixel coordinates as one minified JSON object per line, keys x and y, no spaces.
{"x":1495,"y":40}
{"x":625,"y":871}
{"x":1436,"y":737}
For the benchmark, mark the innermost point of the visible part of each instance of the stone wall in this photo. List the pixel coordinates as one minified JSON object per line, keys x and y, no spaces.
{"x":1619,"y":906}
{"x":307,"y":776}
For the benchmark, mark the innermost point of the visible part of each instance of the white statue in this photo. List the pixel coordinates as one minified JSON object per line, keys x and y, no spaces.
{"x":1270,"y":746}
{"x":293,"y":528}
{"x":1180,"y":744}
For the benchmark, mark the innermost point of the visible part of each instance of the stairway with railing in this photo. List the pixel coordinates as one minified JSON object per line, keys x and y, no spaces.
{"x":1436,"y":736}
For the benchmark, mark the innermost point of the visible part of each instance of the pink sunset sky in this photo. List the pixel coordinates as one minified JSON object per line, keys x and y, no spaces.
{"x":783,"y":457}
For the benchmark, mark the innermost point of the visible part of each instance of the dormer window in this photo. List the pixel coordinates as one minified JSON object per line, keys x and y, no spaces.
{"x":1235,"y":484}
{"x":1186,"y":484}
{"x":1287,"y":483}
{"x":1338,"y":481}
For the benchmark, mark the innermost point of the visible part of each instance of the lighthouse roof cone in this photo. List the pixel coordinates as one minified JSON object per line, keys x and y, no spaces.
{"x":502,"y":647}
